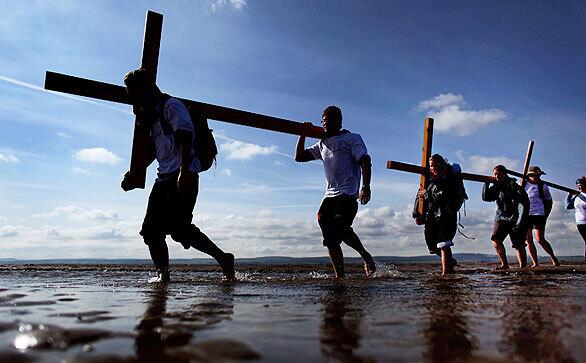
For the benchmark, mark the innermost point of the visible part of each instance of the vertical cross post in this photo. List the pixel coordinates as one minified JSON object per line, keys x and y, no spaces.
{"x":425,"y":155}
{"x":527,"y":161}
{"x":150,"y":60}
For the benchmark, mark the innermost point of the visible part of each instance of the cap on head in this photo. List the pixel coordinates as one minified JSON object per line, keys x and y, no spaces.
{"x":581,"y":181}
{"x":535,"y":170}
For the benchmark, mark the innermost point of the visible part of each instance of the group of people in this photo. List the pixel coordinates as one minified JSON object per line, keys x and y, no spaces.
{"x":521,"y":209}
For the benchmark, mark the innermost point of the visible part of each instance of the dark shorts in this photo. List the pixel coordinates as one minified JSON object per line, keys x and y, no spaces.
{"x":170,"y":212}
{"x":335,"y":217}
{"x":537,"y":222}
{"x":503,"y":229}
{"x":440,"y":230}
{"x":582,"y":230}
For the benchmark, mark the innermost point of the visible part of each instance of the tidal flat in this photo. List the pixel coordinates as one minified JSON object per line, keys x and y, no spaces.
{"x":292,"y":313}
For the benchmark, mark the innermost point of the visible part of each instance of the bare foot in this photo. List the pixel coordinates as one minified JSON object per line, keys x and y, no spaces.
{"x":448,"y":272}
{"x":501,"y":268}
{"x":369,"y":266}
{"x":555,"y":262}
{"x":227,"y":266}
{"x":535,"y":265}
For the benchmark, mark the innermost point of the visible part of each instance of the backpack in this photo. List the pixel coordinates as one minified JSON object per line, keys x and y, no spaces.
{"x":460,"y":196}
{"x":205,"y":144}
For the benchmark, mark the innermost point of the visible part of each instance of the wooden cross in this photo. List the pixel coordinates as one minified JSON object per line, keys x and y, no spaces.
{"x":423,"y":169}
{"x":150,"y":58}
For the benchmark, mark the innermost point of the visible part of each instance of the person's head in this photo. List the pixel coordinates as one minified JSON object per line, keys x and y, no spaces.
{"x":581,"y":184}
{"x":534,"y":174}
{"x":331,"y":120}
{"x":140,"y":86}
{"x":437,"y":166}
{"x":500,"y":173}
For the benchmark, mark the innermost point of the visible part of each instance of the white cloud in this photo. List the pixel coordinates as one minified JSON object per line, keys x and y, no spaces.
{"x":484,"y":164}
{"x":226,"y":172}
{"x":450,"y":117}
{"x":82,"y":171}
{"x":64,"y":135}
{"x":8,"y":158}
{"x":239,"y":150}
{"x":439,"y":101}
{"x":8,"y":231}
{"x":216,"y":5}
{"x":75,"y":213}
{"x":97,"y":155}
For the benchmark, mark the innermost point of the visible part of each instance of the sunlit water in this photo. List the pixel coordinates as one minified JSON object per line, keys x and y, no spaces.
{"x":114,"y":316}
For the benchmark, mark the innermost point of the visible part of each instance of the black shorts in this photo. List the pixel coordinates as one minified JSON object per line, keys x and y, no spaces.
{"x":537,"y":222}
{"x":335,"y":217}
{"x":170,"y":212}
{"x":517,"y":234}
{"x":440,"y":230}
{"x":582,"y":230}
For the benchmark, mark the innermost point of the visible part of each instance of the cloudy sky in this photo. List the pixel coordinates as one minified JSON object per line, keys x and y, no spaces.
{"x":494,"y":75}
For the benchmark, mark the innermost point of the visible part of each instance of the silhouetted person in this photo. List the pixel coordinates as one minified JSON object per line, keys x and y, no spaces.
{"x":345,"y":160}
{"x":540,"y":204}
{"x":173,"y":197}
{"x":511,"y":216}
{"x":578,"y":202}
{"x":441,"y":200}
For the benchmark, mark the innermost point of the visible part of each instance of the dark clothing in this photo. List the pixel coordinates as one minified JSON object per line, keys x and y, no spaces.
{"x":442,"y":200}
{"x":537,"y":222}
{"x":517,"y":233}
{"x":582,"y":230}
{"x":335,"y":217}
{"x":441,"y":230}
{"x":511,"y":200}
{"x":170,"y":212}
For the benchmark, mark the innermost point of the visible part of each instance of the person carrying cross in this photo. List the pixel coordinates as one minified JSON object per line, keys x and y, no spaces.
{"x":442,"y":199}
{"x":578,"y":202}
{"x":174,"y":193}
{"x":511,"y":216}
{"x":345,"y":160}
{"x":540,"y":205}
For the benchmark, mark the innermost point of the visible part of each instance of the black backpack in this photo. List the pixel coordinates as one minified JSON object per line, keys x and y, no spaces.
{"x":205,"y":144}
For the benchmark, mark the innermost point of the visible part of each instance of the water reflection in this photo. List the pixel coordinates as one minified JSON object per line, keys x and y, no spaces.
{"x":340,"y":331}
{"x":533,"y":319}
{"x":447,"y":329}
{"x":160,"y":331}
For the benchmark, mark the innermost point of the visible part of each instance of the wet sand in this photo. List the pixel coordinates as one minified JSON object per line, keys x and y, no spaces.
{"x":292,"y":313}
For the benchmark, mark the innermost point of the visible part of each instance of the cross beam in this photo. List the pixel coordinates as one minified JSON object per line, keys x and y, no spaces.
{"x":150,"y":54}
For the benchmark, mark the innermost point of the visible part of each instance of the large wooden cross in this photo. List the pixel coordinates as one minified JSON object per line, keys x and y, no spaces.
{"x":423,"y":169}
{"x":150,"y":59}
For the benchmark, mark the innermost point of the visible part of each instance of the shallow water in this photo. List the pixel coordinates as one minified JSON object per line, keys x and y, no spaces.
{"x":400,"y":315}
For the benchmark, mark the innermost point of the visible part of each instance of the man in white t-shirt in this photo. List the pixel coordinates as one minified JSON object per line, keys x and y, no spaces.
{"x":173,"y":197}
{"x":345,"y":160}
{"x":540,"y":204}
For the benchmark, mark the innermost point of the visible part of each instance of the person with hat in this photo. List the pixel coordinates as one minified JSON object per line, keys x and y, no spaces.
{"x":540,"y":205}
{"x":511,"y":215}
{"x":578,"y":202}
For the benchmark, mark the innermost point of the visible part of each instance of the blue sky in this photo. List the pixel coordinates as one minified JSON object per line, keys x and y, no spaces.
{"x":493,"y":74}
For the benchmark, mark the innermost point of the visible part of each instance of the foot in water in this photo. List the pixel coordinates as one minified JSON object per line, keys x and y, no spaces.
{"x":369,"y":266}
{"x":162,"y":277}
{"x":227,"y":266}
{"x":501,"y":268}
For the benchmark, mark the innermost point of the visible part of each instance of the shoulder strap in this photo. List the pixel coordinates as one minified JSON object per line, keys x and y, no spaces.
{"x":540,"y":189}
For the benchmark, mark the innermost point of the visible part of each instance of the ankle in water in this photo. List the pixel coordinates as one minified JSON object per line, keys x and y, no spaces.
{"x":162,"y":276}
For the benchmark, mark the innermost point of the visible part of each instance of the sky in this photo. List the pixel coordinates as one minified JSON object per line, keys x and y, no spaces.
{"x":494,"y":75}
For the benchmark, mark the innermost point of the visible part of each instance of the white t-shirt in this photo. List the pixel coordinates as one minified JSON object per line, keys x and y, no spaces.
{"x":340,"y":155}
{"x":536,"y":207}
{"x":173,"y":117}
{"x":580,"y":205}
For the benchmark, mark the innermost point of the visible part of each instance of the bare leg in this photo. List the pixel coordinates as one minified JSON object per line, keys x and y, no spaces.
{"x":532,"y":249}
{"x":225,"y":260}
{"x":447,"y":264}
{"x":337,"y":258}
{"x":522,"y":257}
{"x":352,"y":240}
{"x":502,"y":254}
{"x":540,"y":237}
